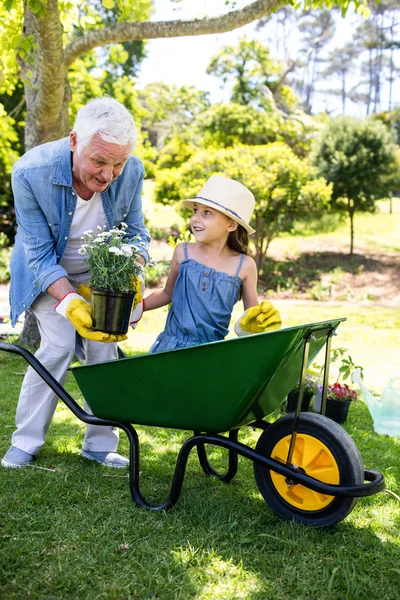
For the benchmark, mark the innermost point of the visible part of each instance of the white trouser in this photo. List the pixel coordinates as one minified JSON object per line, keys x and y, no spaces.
{"x":37,"y":402}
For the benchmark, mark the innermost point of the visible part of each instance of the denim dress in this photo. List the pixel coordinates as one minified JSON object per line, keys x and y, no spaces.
{"x":201,"y":307}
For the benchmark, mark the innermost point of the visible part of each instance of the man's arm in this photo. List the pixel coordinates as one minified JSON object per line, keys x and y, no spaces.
{"x":36,"y":234}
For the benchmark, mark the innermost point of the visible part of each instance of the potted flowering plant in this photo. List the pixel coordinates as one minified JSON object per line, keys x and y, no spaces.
{"x":114,"y":271}
{"x":339,"y":396}
{"x":338,"y":399}
{"x":309,"y":389}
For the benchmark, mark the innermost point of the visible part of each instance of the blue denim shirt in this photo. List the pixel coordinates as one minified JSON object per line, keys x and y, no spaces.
{"x":45,"y":203}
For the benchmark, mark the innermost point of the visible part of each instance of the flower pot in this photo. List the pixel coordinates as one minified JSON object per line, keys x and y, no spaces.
{"x":337,"y":409}
{"x":291,"y":401}
{"x":111,"y":311}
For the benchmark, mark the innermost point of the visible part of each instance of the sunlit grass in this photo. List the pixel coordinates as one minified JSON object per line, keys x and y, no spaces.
{"x":73,"y":531}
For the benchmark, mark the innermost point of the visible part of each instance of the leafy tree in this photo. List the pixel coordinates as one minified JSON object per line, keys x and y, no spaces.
{"x":256,"y":75}
{"x":358,"y":158}
{"x":226,"y":125}
{"x":177,"y":151}
{"x":167,"y":110}
{"x":285,"y":187}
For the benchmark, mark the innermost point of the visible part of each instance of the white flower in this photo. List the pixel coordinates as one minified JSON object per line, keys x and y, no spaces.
{"x":88,"y":232}
{"x":124,"y":225}
{"x":115,"y":250}
{"x":98,"y":240}
{"x":127,"y":250}
{"x":82,"y":249}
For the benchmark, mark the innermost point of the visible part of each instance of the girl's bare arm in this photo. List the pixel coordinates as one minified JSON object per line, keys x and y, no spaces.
{"x":249,"y":287}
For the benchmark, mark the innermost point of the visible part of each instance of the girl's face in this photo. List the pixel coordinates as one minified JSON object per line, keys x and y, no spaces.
{"x":210,"y":225}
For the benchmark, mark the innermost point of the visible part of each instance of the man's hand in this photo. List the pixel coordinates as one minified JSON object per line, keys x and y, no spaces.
{"x":258,"y":319}
{"x":77,"y":310}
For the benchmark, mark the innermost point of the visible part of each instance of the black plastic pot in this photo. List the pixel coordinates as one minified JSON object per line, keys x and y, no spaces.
{"x":291,"y":401}
{"x":111,"y":311}
{"x":337,"y":409}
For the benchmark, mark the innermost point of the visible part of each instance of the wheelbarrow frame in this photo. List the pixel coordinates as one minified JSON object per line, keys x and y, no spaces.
{"x":293,"y":474}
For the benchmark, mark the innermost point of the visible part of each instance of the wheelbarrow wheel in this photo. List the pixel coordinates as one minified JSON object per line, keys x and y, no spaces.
{"x":323,"y":450}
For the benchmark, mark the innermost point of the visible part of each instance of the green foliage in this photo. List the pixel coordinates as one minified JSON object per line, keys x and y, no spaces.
{"x":347,"y":364}
{"x":155,"y":272}
{"x":168,"y":186}
{"x":8,"y":155}
{"x":5,"y":255}
{"x":225,"y":125}
{"x":256,"y":75}
{"x":167,"y":111}
{"x":356,"y":157}
{"x":177,"y":151}
{"x":391,"y":119}
{"x":229,"y":124}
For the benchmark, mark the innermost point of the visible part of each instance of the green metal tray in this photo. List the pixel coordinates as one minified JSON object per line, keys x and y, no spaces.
{"x":211,"y":388}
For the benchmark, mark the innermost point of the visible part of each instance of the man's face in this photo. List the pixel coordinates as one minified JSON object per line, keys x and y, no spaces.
{"x":98,"y":164}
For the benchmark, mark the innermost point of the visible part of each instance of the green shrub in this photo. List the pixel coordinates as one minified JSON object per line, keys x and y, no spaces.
{"x":155,"y":272}
{"x":5,"y":255}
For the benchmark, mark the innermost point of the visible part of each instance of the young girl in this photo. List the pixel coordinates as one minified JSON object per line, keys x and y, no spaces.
{"x":209,"y":276}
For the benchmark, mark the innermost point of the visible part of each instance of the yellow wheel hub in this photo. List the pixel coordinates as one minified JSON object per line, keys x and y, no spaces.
{"x":316,"y":460}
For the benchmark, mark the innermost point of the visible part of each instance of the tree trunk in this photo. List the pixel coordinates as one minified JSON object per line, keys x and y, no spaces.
{"x":47,"y":97}
{"x":30,"y":332}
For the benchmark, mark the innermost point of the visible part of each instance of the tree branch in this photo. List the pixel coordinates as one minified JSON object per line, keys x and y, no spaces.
{"x":147,"y":30}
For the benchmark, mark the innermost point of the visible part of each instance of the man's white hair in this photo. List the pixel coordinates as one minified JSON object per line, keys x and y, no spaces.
{"x":107,"y":118}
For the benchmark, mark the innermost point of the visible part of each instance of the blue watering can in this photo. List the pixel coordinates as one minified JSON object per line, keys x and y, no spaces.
{"x":385,"y":411}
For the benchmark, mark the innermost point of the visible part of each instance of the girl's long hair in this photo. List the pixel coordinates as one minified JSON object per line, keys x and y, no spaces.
{"x":238,"y":240}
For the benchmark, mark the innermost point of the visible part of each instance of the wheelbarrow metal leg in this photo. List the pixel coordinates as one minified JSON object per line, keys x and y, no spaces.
{"x":232,"y":464}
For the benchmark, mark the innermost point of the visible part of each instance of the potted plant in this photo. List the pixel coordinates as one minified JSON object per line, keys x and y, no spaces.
{"x":309,"y":389}
{"x":339,"y":396}
{"x":114,"y":271}
{"x":338,"y":399}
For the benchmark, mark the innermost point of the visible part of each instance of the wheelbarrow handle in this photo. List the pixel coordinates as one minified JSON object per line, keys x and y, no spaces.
{"x":54,"y":384}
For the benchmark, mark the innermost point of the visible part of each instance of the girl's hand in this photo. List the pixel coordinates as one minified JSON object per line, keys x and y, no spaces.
{"x":258,"y":319}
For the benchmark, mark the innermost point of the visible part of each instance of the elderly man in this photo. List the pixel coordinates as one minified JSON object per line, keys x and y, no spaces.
{"x":62,"y":189}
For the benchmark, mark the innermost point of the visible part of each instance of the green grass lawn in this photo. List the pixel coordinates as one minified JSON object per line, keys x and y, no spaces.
{"x":70,"y":530}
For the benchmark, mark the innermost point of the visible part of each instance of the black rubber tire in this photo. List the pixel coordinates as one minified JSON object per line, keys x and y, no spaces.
{"x":346,"y":455}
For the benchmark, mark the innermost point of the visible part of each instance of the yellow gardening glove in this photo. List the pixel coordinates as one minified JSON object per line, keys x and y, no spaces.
{"x":138,"y":303}
{"x":84,"y":290}
{"x":77,"y":310}
{"x":258,"y":319}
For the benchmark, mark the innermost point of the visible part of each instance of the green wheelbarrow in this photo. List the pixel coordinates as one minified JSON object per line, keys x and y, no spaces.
{"x":306,"y":466}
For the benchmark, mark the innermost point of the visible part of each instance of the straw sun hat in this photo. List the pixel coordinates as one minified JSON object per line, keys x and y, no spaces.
{"x":227,"y":196}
